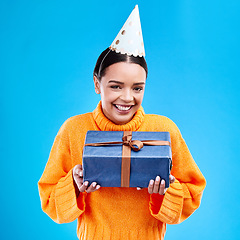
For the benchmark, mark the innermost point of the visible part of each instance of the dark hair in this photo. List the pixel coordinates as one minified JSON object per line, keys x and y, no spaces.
{"x":109,"y":57}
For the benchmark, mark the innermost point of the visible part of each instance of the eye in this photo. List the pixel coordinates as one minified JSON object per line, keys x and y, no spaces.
{"x":115,"y":87}
{"x":138,"y":89}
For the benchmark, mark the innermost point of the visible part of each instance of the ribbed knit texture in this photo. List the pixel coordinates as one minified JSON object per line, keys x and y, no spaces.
{"x":118,"y":213}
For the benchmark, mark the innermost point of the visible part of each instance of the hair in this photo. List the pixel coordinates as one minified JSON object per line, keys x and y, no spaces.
{"x":109,"y":57}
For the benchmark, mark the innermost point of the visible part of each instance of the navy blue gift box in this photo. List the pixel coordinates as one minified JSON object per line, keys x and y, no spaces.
{"x":125,"y":158}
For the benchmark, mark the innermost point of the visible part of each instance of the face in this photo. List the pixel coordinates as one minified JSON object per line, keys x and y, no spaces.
{"x":122,"y":89}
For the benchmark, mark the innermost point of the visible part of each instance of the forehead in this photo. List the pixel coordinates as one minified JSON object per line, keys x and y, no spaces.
{"x":125,"y":71}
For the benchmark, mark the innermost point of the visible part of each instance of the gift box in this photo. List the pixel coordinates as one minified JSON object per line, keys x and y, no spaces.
{"x":125,"y":158}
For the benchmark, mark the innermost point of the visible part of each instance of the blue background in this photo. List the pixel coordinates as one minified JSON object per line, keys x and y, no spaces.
{"x":48,"y":50}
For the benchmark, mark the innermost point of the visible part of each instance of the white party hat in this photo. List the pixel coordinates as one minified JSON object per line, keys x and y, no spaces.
{"x":129,"y":40}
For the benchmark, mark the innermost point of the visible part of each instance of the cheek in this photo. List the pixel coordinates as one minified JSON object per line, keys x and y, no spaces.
{"x":139,"y":97}
{"x":108,"y":95}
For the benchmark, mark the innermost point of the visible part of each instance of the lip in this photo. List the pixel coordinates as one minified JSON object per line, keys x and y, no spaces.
{"x":123,"y":111}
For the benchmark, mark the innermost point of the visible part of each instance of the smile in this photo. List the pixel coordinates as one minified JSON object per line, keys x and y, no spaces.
{"x":123,"y":107}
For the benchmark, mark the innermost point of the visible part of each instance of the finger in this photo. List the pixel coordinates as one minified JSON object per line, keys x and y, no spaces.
{"x":92,"y":187}
{"x":77,"y":170}
{"x":78,"y":176}
{"x":171,"y":179}
{"x":78,"y":166}
{"x":156,"y":185}
{"x":162,"y":187}
{"x":150,"y":186}
{"x":78,"y":181}
{"x":79,"y":173}
{"x":84,"y":187}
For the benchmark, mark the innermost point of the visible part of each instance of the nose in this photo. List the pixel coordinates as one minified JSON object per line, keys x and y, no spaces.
{"x":127,"y":95}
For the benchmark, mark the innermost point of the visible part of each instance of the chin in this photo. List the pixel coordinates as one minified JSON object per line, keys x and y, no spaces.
{"x":120,"y":117}
{"x":122,"y":121}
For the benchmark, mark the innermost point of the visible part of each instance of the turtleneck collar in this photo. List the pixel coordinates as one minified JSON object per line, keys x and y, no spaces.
{"x":104,"y":124}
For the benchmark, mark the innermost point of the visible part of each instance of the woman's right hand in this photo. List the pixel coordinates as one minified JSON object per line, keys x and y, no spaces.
{"x":79,"y":184}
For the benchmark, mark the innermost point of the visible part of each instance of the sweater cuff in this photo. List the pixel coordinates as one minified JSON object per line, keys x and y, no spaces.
{"x":69,"y":207}
{"x":168,"y":208}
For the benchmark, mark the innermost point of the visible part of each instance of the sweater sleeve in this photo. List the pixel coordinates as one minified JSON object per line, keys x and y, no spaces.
{"x":183,"y":197}
{"x":56,"y":186}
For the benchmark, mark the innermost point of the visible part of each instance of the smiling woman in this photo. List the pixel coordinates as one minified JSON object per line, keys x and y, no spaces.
{"x":122,"y":89}
{"x":120,"y":78}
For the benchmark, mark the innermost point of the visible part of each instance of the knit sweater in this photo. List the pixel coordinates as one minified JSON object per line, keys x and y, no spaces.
{"x":118,"y":213}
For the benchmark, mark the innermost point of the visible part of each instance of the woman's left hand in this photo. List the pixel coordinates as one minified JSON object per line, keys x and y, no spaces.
{"x":159,"y":187}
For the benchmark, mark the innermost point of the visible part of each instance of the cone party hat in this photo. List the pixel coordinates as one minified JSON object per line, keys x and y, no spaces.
{"x":129,"y":40}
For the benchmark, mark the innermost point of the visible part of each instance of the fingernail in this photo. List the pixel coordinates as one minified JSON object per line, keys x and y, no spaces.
{"x":151,"y":182}
{"x":86,"y":183}
{"x":97,"y":187}
{"x":162,"y":182}
{"x":81,"y":173}
{"x":94,"y":184}
{"x":158,"y":178}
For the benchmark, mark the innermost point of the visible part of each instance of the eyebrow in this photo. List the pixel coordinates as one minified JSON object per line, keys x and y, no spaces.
{"x":118,"y":82}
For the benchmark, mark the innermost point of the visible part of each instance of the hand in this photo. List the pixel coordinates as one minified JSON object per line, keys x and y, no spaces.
{"x":159,"y":187}
{"x":78,"y":180}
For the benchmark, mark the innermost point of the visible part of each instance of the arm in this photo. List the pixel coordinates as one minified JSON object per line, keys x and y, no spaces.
{"x":56,"y":186}
{"x":183,"y":196}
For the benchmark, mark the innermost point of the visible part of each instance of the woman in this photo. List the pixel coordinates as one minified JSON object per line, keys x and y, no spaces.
{"x":118,"y":213}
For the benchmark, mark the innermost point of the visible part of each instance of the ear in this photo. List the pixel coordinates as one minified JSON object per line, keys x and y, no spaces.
{"x":96,"y":85}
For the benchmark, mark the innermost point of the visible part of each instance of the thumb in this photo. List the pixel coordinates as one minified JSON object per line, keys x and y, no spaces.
{"x":77,"y":169}
{"x":171,"y":178}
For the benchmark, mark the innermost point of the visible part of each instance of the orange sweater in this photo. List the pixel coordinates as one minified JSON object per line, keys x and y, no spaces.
{"x":118,"y":213}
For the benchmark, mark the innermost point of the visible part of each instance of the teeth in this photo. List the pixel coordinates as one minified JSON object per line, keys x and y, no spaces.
{"x":122,"y":108}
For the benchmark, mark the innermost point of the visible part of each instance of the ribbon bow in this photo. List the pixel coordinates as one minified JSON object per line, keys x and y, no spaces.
{"x":135,"y":145}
